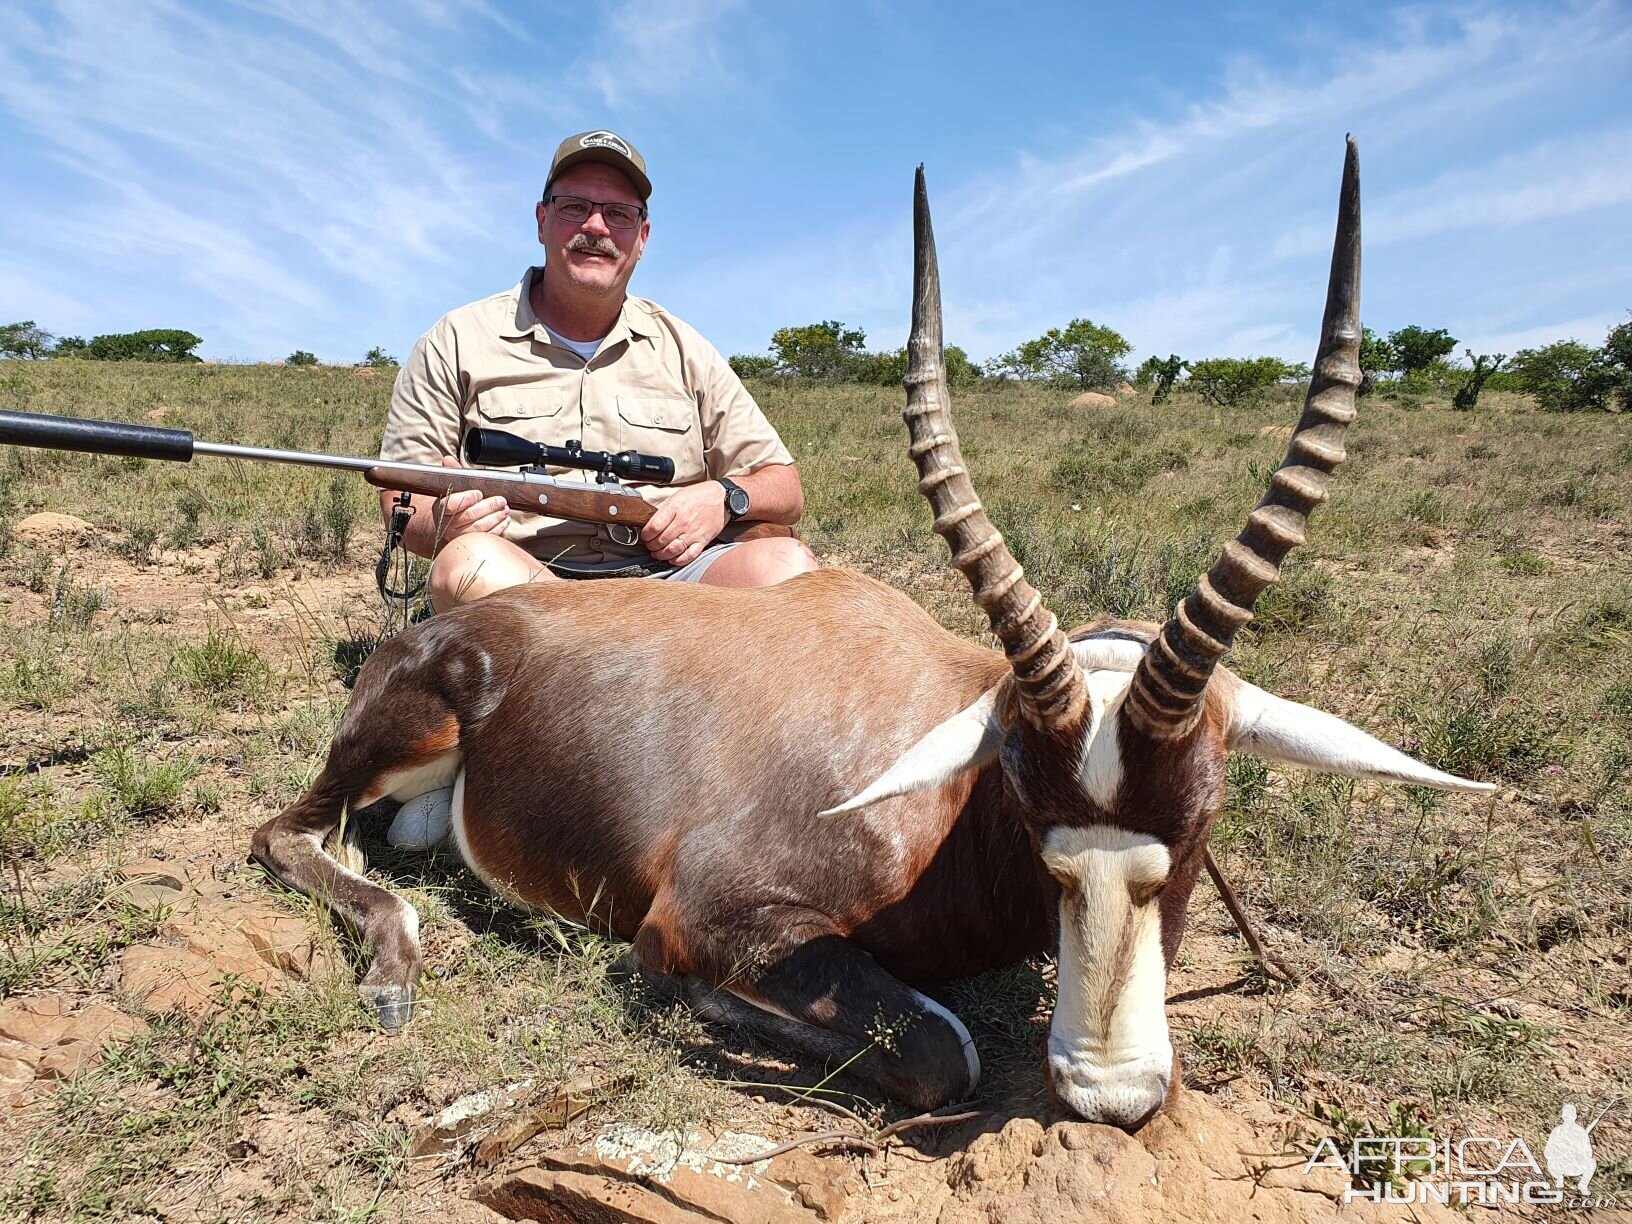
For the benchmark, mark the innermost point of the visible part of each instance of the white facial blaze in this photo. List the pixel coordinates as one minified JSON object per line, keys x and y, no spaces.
{"x":1109,"y":1056}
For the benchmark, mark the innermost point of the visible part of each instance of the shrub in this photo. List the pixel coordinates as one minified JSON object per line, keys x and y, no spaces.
{"x":1227,"y":381}
{"x":378,"y":359}
{"x":300,"y":357}
{"x":747,"y":366}
{"x":1566,"y":376}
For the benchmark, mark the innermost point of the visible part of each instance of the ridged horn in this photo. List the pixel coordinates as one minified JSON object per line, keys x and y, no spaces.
{"x":1164,"y":700}
{"x":1052,"y":691}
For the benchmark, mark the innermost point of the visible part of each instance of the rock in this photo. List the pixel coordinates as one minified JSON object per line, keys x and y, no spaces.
{"x":208,"y":939}
{"x":1194,"y":1163}
{"x":42,"y":1039}
{"x":578,"y":1198}
{"x":51,"y":528}
{"x":628,"y":1174}
{"x":49,"y":1020}
{"x":1094,"y":399}
{"x":994,"y":1157}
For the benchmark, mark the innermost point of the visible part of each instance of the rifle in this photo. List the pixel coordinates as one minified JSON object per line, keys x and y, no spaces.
{"x":530,"y":489}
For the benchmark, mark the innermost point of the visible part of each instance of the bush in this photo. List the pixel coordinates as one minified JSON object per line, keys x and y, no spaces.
{"x":300,"y":357}
{"x":747,"y":366}
{"x":1227,"y":381}
{"x":1567,"y":376}
{"x":379,"y":359}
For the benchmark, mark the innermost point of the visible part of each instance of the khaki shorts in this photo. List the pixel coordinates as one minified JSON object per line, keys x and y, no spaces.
{"x":692,"y":571}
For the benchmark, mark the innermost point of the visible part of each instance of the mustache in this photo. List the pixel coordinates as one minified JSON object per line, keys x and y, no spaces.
{"x":594,"y":245}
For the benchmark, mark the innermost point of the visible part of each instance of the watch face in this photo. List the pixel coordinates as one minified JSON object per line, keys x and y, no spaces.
{"x":736,"y":500}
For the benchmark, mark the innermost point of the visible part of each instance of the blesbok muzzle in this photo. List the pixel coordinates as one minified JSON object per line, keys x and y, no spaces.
{"x":1109,"y":1057}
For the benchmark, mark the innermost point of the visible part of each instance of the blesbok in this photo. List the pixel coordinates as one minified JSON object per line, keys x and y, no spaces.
{"x":810,"y":798}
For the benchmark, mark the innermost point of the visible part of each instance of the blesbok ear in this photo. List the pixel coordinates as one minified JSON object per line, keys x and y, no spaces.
{"x":967,"y":740}
{"x":1275,"y":729}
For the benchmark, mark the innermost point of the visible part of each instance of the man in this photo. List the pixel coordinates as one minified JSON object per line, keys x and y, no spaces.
{"x":568,"y":354}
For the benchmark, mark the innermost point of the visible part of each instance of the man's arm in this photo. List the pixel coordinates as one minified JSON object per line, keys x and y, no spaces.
{"x":688,"y":522}
{"x":423,"y":427}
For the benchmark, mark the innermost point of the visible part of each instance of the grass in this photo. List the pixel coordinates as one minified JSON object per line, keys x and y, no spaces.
{"x":1463,"y":596}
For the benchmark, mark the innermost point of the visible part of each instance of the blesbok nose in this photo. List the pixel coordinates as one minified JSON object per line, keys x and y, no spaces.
{"x":1124,"y":1094}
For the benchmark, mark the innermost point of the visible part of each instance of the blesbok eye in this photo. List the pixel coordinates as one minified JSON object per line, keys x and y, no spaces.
{"x":1143,"y":892}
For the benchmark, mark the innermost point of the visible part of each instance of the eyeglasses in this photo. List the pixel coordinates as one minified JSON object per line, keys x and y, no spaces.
{"x":576,"y":209}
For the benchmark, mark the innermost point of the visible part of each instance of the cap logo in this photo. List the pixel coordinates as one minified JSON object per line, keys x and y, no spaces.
{"x":604,"y":140}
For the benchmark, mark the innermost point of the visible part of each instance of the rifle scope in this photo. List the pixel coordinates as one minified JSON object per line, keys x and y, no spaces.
{"x":495,"y":448}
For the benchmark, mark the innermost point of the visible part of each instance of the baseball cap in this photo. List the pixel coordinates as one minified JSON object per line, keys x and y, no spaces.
{"x":602,"y":146}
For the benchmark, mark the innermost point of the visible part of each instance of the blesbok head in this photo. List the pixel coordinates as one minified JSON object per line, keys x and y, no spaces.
{"x":1113,"y":743}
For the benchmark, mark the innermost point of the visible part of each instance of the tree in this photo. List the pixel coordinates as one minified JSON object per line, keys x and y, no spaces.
{"x":1376,"y":357}
{"x":1617,"y":353}
{"x":1484,"y":365}
{"x":71,"y":346}
{"x":1227,"y":381}
{"x":1162,"y":373}
{"x":1080,"y":354}
{"x":378,"y":358}
{"x":888,"y":369}
{"x":1415,"y":349}
{"x":828,"y":351}
{"x":155,"y":344}
{"x":25,"y":340}
{"x":1566,"y":376}
{"x":300,"y":357}
{"x":747,"y":366}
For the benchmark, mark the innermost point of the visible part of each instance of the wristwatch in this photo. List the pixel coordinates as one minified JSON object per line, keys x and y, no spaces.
{"x":736,"y":499}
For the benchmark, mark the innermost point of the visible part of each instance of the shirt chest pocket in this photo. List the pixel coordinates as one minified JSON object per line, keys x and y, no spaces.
{"x":517,"y":407}
{"x":664,"y":425}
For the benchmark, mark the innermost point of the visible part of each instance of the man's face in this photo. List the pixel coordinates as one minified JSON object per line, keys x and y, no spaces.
{"x":591,"y":255}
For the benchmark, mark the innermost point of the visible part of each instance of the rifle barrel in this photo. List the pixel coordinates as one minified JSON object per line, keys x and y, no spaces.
{"x":529,"y":491}
{"x":179,"y":446}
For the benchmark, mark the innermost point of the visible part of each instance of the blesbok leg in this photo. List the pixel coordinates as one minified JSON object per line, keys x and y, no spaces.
{"x":830,"y":1000}
{"x":396,"y":738}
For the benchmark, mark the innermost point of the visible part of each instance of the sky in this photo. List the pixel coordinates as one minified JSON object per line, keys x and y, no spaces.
{"x":275,"y":175}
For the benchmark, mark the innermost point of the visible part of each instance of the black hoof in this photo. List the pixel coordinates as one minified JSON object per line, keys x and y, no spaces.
{"x":391,"y":1005}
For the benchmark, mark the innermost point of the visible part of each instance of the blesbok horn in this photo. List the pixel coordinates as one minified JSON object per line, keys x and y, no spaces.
{"x":1051,"y":688}
{"x":1164,"y":700}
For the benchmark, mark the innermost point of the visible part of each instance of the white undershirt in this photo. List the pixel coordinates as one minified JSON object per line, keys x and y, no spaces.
{"x":584,"y":348}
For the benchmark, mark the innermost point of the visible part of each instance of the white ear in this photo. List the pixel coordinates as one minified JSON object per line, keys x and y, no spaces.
{"x":1275,"y":729}
{"x":965,"y":741}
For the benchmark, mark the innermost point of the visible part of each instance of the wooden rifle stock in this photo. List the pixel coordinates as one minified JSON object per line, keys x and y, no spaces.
{"x":581,"y":503}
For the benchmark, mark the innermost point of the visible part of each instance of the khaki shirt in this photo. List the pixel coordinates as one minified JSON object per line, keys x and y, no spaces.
{"x":654,"y":386}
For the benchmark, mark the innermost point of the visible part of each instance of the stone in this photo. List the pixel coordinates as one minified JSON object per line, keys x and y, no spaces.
{"x":628,"y":1174}
{"x":49,"y":1020}
{"x":564,"y":1197}
{"x":1194,"y":1163}
{"x":1094,"y":399}
{"x":51,"y":528}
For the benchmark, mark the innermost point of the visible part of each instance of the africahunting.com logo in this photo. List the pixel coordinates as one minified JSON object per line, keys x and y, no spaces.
{"x":1474,"y":1169}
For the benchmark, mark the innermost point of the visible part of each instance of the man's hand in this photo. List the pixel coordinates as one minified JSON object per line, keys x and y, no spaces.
{"x":686,"y":524}
{"x":461,"y":513}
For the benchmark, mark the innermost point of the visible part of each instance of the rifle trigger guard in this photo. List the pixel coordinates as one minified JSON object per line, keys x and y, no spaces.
{"x":612,"y":530}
